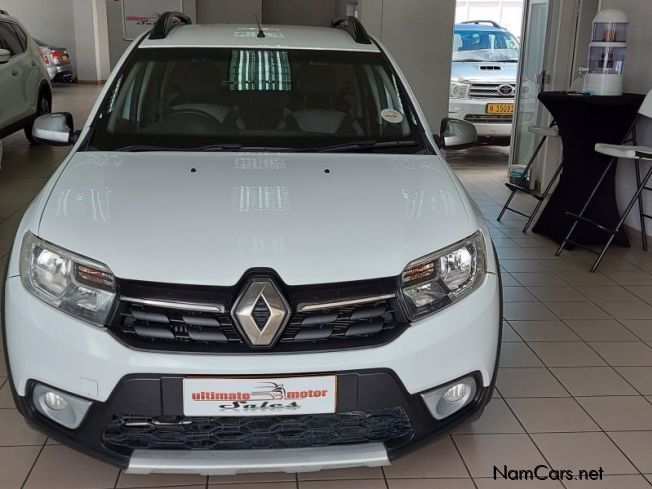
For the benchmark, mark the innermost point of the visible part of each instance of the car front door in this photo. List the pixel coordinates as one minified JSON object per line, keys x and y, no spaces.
{"x":14,"y":106}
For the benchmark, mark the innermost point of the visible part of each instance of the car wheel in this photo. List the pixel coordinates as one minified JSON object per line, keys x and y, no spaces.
{"x":44,"y":107}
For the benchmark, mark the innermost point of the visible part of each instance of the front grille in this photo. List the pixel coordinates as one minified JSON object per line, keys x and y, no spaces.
{"x":490,"y":90}
{"x":142,"y":323}
{"x":489,"y":118}
{"x":127,"y":432}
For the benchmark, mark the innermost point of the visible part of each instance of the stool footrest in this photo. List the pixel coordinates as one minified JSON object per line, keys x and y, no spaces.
{"x":518,"y":188}
{"x":592,"y":222}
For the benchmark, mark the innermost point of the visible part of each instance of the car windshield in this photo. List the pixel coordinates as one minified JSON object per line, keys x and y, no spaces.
{"x":216,"y":99}
{"x":481,"y":45}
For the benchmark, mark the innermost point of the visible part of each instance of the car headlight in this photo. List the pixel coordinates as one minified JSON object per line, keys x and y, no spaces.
{"x":73,"y":284}
{"x":439,"y":280}
{"x":460,"y":90}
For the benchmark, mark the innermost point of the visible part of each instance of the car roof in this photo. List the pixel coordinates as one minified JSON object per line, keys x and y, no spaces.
{"x":479,"y":28}
{"x":245,"y":36}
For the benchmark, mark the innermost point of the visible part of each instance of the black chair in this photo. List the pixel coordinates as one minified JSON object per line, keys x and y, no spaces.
{"x":522,"y":184}
{"x":629,"y":150}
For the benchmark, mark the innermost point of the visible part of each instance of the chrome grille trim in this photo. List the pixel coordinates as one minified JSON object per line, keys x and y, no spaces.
{"x":183,"y":306}
{"x":310,"y":307}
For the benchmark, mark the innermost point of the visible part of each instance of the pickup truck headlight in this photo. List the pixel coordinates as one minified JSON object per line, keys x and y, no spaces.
{"x":436,"y":281}
{"x":73,"y":284}
{"x":460,"y":90}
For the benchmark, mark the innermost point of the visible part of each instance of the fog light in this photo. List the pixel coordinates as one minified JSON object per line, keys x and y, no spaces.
{"x":61,"y":407}
{"x":447,"y":400}
{"x":54,"y":401}
{"x":456,"y":393}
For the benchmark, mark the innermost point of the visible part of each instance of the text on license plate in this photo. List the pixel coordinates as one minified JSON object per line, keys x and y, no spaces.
{"x":500,"y":108}
{"x":259,"y":397}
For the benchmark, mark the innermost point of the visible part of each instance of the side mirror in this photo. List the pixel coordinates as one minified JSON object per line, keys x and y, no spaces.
{"x":458,"y":134}
{"x":5,"y":56}
{"x":56,"y":129}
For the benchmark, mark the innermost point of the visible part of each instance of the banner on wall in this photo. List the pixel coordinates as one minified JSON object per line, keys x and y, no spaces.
{"x":139,"y":16}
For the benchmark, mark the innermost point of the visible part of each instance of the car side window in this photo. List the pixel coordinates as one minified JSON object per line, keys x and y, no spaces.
{"x":22,"y":36}
{"x":9,"y":40}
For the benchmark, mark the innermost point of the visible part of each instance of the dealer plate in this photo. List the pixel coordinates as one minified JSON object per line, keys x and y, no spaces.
{"x":259,"y":396}
{"x":500,"y":108}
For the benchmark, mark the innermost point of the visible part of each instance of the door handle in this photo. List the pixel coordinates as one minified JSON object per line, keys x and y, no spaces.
{"x":33,"y":63}
{"x":14,"y":72}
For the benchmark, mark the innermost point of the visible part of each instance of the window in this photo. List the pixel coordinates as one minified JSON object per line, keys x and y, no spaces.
{"x":9,"y":40}
{"x":469,"y":45}
{"x":21,"y":35}
{"x":258,"y":99}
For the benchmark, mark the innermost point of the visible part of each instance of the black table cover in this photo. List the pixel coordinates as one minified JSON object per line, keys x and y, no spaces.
{"x":584,"y":121}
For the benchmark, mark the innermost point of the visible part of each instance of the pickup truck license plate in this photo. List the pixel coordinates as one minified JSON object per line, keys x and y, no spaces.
{"x":500,"y":108}
{"x":259,"y":397}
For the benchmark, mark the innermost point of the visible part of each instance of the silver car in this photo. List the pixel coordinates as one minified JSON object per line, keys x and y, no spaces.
{"x":483,"y":80}
{"x":57,"y":62}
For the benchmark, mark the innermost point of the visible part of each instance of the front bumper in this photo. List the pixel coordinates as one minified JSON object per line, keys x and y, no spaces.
{"x":473,"y":110}
{"x":46,"y":346}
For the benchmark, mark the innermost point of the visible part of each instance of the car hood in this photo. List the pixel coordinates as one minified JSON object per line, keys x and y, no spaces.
{"x":485,"y":71}
{"x":207,"y":218}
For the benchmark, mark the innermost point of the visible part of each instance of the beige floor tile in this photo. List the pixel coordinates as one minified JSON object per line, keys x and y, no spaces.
{"x":552,"y":415}
{"x":593,"y":381}
{"x":611,"y":482}
{"x":560,"y":294}
{"x":637,"y":445}
{"x":517,"y":294}
{"x":438,"y":460}
{"x":620,"y":413}
{"x":642,"y":291}
{"x":513,"y":254}
{"x":640,"y":327}
{"x":509,"y":335}
{"x":511,"y":484}
{"x":639,"y":377}
{"x":523,"y":266}
{"x":599,"y":293}
{"x":528,"y":382}
{"x":586,"y":278}
{"x":576,"y":310}
{"x":509,"y":281}
{"x":554,"y":330}
{"x":526,"y":311}
{"x":158,"y":480}
{"x":15,"y":464}
{"x":430,"y":484}
{"x":566,"y":354}
{"x":583,"y":451}
{"x":627,"y":309}
{"x":624,"y":353}
{"x":600,"y":330}
{"x":497,"y":418}
{"x":14,"y":430}
{"x":543,"y":279}
{"x":484,"y":452}
{"x":59,"y":467}
{"x":344,"y":474}
{"x":6,"y":399}
{"x":569,"y":265}
{"x":518,"y":355}
{"x":278,"y":485}
{"x":251,"y":478}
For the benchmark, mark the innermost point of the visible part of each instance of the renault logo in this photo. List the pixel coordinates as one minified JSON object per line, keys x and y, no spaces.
{"x":261,"y":312}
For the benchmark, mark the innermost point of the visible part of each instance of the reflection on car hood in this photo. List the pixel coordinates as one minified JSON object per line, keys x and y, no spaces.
{"x":150,"y":217}
{"x":469,"y":71}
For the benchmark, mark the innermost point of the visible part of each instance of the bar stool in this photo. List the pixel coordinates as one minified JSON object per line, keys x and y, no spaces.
{"x":545,"y":132}
{"x":625,"y":151}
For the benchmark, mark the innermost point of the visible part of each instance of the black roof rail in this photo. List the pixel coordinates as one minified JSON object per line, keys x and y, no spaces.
{"x":353,"y":26}
{"x":477,"y":22}
{"x":4,"y":12}
{"x":166,"y":22}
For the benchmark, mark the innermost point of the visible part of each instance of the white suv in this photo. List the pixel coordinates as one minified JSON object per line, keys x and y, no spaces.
{"x":254,"y":259}
{"x":24,"y":81}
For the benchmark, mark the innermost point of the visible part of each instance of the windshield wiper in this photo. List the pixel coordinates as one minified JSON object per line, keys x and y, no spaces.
{"x":359,"y":146}
{"x":470,"y":60}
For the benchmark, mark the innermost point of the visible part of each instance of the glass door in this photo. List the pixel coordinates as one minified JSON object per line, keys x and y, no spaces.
{"x":531,"y":81}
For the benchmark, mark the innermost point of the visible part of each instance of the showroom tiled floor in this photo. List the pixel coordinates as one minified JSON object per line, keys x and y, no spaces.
{"x":574,"y":387}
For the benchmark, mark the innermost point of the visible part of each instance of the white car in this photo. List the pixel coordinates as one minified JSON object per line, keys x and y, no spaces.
{"x":24,"y":81}
{"x":254,"y":259}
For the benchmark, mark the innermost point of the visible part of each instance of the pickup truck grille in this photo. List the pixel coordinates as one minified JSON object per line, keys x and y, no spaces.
{"x":492,"y":90}
{"x":127,"y":432}
{"x":199,"y":319}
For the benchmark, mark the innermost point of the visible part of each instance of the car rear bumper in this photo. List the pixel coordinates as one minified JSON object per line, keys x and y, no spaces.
{"x":60,"y":72}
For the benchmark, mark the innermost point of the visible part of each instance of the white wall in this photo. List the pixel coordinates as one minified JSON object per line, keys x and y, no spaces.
{"x":49,"y":21}
{"x":317,"y":13}
{"x":419,"y":33}
{"x":228,"y":11}
{"x":638,"y":79}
